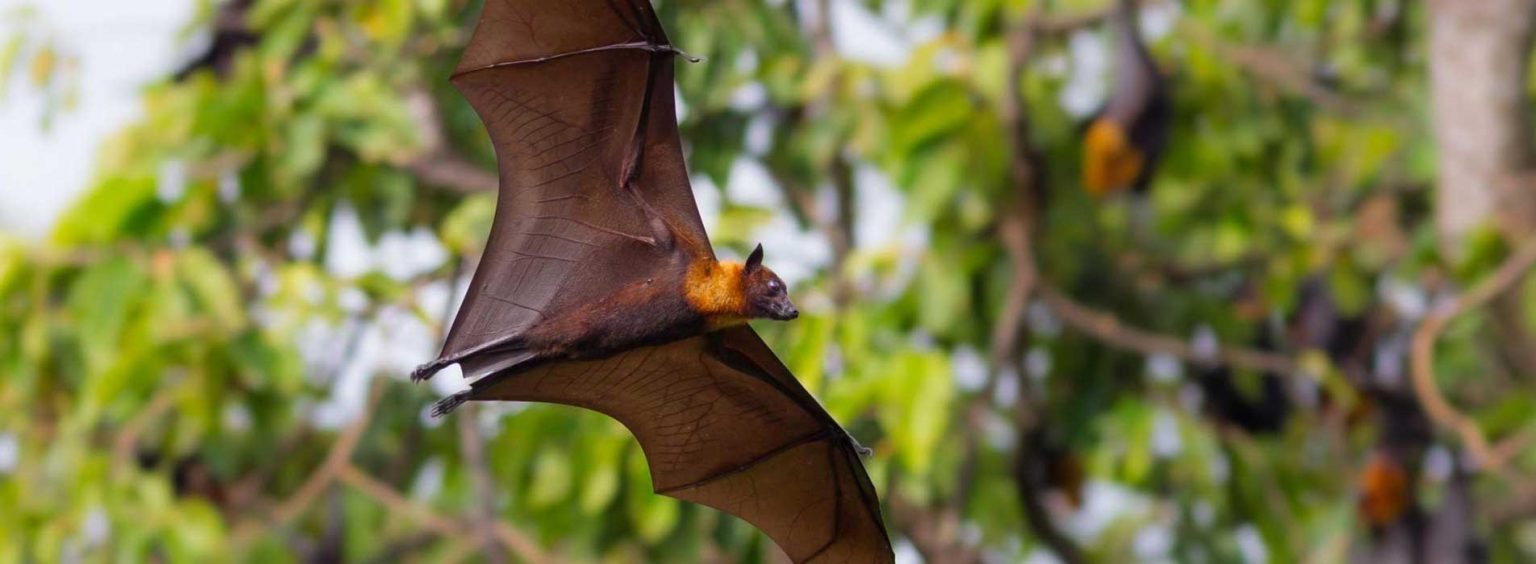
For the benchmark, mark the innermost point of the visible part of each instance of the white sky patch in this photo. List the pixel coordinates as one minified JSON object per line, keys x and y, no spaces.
{"x":10,"y":452}
{"x":121,"y":46}
{"x":752,"y":185}
{"x":749,"y":97}
{"x":392,"y":344}
{"x":1087,"y":88}
{"x":682,"y":104}
{"x":1000,"y":432}
{"x":878,"y":218}
{"x":400,"y":255}
{"x":1204,"y":344}
{"x":1037,"y":363}
{"x":970,"y":370}
{"x":1166,"y":441}
{"x":707,"y":196}
{"x":1041,"y":320}
{"x":1164,"y":368}
{"x":906,"y":553}
{"x":1157,"y":20}
{"x":349,"y":388}
{"x":236,"y":417}
{"x":862,"y":36}
{"x":406,"y":255}
{"x":1007,"y":390}
{"x":346,"y":247}
{"x":1153,"y":543}
{"x":1103,"y":504}
{"x":97,"y":527}
{"x":428,"y":481}
{"x":1251,"y":545}
{"x":1406,"y":298}
{"x":1439,"y":464}
{"x":759,"y":136}
{"x":171,"y":182}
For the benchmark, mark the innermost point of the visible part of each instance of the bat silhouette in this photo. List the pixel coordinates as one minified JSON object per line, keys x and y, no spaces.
{"x":1124,"y":141}
{"x":599,"y":288}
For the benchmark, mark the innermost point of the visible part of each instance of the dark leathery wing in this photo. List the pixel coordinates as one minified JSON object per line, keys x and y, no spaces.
{"x":578,"y":99}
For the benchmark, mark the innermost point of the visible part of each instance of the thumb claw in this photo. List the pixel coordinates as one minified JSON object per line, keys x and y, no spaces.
{"x":423,"y":372}
{"x":864,"y":452}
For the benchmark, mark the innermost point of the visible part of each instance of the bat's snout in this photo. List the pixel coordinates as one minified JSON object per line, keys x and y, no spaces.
{"x":784,"y":311}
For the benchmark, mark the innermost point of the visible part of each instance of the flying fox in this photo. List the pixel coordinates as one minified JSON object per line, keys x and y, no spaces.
{"x":599,"y":288}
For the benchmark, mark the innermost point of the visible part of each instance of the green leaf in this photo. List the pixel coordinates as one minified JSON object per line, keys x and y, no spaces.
{"x":100,"y":302}
{"x":551,"y":478}
{"x":212,"y":287}
{"x":465,"y":229}
{"x":653,"y":516}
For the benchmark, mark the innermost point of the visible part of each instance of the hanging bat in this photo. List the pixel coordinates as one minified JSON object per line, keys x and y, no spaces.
{"x":1124,"y":140}
{"x":599,"y":288}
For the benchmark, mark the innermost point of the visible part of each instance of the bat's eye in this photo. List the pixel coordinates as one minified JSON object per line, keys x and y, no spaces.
{"x":775,"y":287}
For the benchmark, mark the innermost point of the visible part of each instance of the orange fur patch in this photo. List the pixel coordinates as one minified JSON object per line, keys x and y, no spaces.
{"x":1384,"y":491}
{"x":1109,"y":161}
{"x":715,"y":289}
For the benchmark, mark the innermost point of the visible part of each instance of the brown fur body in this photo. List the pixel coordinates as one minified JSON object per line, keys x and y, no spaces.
{"x":699,"y":296}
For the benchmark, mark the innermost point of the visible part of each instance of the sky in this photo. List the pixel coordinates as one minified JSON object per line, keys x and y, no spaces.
{"x":121,"y":46}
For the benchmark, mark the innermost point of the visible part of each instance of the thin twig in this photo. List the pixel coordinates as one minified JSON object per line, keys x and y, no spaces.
{"x":128,"y":437}
{"x":437,"y":164}
{"x":838,"y":228}
{"x":472,"y":446}
{"x":1274,"y":66}
{"x":1109,"y":330}
{"x":934,"y":532}
{"x":1062,"y":24}
{"x":514,"y":541}
{"x":335,"y":460}
{"x":1424,"y":381}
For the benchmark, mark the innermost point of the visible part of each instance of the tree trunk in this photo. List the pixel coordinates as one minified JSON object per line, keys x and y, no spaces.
{"x":1478,"y":51}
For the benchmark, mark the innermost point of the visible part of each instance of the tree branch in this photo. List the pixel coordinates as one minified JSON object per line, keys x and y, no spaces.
{"x":437,"y":164}
{"x":335,"y":460}
{"x":1016,"y":228}
{"x":1275,"y":66}
{"x":400,"y":505}
{"x":1109,"y":330}
{"x":934,"y":532}
{"x":839,"y":228}
{"x":1424,"y":381}
{"x":128,"y":438}
{"x":472,"y":445}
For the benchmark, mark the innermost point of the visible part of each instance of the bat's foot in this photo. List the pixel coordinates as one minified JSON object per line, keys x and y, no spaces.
{"x":864,"y":452}
{"x":425,"y":371}
{"x":447,"y":405}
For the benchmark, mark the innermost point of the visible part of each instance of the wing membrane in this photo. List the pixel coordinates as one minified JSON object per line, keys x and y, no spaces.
{"x":723,"y":423}
{"x":577,"y":98}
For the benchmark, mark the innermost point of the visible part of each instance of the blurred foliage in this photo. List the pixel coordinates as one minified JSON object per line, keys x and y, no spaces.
{"x":170,"y":352}
{"x":29,"y":51}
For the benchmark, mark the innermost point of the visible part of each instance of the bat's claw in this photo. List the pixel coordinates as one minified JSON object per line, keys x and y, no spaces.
{"x":864,"y":452}
{"x":448,"y":404}
{"x":425,"y":371}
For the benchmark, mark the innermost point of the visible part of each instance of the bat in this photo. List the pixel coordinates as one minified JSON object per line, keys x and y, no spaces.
{"x":599,"y":289}
{"x":1124,"y":141}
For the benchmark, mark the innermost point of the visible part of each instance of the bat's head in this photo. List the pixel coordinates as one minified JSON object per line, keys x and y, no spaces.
{"x":766,"y":294}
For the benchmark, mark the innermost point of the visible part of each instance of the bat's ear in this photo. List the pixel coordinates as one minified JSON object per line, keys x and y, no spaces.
{"x":755,"y":260}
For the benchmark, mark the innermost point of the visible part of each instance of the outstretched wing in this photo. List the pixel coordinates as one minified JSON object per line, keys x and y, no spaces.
{"x":724,"y":423}
{"x":577,"y":98}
